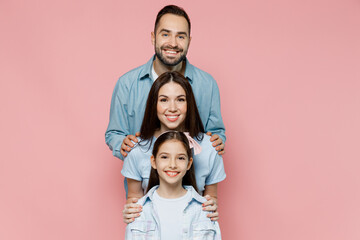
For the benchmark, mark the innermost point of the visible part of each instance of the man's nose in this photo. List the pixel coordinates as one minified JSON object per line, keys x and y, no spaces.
{"x":173,"y":41}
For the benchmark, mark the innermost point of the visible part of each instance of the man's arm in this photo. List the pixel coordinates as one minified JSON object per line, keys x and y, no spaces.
{"x":118,"y":127}
{"x":215,"y":124}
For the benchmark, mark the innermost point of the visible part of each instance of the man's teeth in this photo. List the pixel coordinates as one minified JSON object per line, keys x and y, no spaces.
{"x":172,"y":52}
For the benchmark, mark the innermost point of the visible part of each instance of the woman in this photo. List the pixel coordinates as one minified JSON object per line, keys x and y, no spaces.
{"x":171,"y":106}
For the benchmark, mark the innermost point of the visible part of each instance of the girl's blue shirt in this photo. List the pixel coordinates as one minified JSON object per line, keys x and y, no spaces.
{"x":196,"y":225}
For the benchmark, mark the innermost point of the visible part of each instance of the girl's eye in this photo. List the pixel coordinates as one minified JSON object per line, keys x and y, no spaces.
{"x":182,"y":158}
{"x":163,"y":157}
{"x":181,"y":99}
{"x":163,"y":100}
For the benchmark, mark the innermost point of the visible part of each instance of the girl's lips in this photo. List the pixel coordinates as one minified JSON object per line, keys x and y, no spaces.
{"x":171,"y":173}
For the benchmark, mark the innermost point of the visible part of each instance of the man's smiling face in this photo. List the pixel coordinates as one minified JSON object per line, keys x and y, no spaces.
{"x":171,"y":40}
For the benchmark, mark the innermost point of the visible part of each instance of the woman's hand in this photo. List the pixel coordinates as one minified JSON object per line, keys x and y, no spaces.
{"x":131,"y":210}
{"x":211,"y":206}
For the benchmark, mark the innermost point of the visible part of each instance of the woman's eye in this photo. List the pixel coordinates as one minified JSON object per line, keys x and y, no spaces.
{"x":182,"y":99}
{"x":163,"y":100}
{"x":182,"y":158}
{"x":163,"y":157}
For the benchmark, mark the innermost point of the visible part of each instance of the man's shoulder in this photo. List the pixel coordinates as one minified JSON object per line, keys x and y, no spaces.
{"x":136,"y":74}
{"x":197,"y":72}
{"x":133,"y":75}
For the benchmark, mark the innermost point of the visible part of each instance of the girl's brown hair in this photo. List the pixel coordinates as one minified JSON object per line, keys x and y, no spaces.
{"x":189,"y":177}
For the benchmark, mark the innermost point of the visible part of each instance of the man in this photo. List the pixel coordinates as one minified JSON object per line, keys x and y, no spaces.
{"x":171,"y":39}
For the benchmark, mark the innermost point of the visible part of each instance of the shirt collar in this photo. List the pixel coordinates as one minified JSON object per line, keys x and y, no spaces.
{"x":146,"y":71}
{"x":194,"y":195}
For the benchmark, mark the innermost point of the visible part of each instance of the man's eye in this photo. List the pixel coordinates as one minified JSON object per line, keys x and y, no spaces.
{"x":165,"y":35}
{"x":181,"y":37}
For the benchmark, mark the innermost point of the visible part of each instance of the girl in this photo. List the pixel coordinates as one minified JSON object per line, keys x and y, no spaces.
{"x":172,"y":207}
{"x":171,"y":106}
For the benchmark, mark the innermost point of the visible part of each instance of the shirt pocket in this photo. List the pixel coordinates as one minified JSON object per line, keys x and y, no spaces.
{"x":204,"y":230}
{"x":143,"y":230}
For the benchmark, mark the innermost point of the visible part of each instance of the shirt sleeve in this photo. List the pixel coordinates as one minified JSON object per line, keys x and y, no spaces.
{"x":131,"y":168}
{"x":215,"y":124}
{"x":118,"y":127}
{"x":217,"y":171}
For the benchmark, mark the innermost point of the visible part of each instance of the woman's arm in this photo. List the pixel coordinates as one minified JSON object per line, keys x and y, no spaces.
{"x":131,"y":209}
{"x":210,"y":205}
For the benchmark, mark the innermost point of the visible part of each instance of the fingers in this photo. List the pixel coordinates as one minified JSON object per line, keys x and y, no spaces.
{"x":211,"y":206}
{"x":221,"y":152}
{"x":213,"y":216}
{"x":137,"y":134}
{"x":209,"y":133}
{"x":214,"y":137}
{"x":131,"y":211}
{"x":218,"y":144}
{"x":127,"y":144}
{"x":132,"y":138}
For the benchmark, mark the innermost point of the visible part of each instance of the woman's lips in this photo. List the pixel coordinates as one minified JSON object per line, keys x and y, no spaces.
{"x":172,"y":118}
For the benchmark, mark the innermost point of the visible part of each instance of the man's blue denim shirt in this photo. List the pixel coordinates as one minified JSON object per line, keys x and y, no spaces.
{"x":196,"y":225}
{"x":129,"y":100}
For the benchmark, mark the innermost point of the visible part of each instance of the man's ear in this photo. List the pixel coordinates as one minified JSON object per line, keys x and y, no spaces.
{"x":190,"y":163}
{"x":152,"y":160}
{"x":153,"y":38}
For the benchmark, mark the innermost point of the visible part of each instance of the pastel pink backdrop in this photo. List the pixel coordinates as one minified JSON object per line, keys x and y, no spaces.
{"x":288,"y":73}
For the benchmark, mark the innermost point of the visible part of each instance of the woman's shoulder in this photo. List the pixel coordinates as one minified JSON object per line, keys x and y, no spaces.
{"x":206,"y":145}
{"x":142,"y":147}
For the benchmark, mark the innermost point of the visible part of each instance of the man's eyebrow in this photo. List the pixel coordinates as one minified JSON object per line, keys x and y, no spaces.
{"x":168,"y":31}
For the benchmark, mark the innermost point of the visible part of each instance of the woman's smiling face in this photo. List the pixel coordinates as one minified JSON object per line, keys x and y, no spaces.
{"x":171,"y":107}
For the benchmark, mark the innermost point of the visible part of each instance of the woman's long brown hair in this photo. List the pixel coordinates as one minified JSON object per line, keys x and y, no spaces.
{"x":151,"y":122}
{"x":189,"y":177}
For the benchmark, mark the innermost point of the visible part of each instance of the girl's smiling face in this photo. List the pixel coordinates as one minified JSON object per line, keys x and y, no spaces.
{"x":171,"y":163}
{"x":171,"y":107}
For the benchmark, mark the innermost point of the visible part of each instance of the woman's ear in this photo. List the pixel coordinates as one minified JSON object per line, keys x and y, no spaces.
{"x":189,"y":163}
{"x":152,"y":160}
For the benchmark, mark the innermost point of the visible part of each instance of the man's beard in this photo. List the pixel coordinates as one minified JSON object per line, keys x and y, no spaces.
{"x":163,"y":60}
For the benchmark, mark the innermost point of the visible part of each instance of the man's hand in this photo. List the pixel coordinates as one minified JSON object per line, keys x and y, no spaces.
{"x":211,"y":206}
{"x":217,"y":143}
{"x":127,"y":144}
{"x":131,"y":210}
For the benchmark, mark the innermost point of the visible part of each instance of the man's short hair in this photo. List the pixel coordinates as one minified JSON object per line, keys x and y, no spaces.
{"x":172,"y":9}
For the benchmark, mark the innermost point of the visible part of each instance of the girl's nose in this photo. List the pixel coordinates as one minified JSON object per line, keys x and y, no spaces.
{"x":172,"y":163}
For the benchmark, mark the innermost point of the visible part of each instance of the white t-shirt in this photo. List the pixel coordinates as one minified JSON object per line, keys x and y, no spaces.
{"x":153,"y":73}
{"x":170,"y":212}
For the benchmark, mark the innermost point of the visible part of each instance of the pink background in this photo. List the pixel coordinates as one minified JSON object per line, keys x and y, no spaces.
{"x":289,"y":76}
